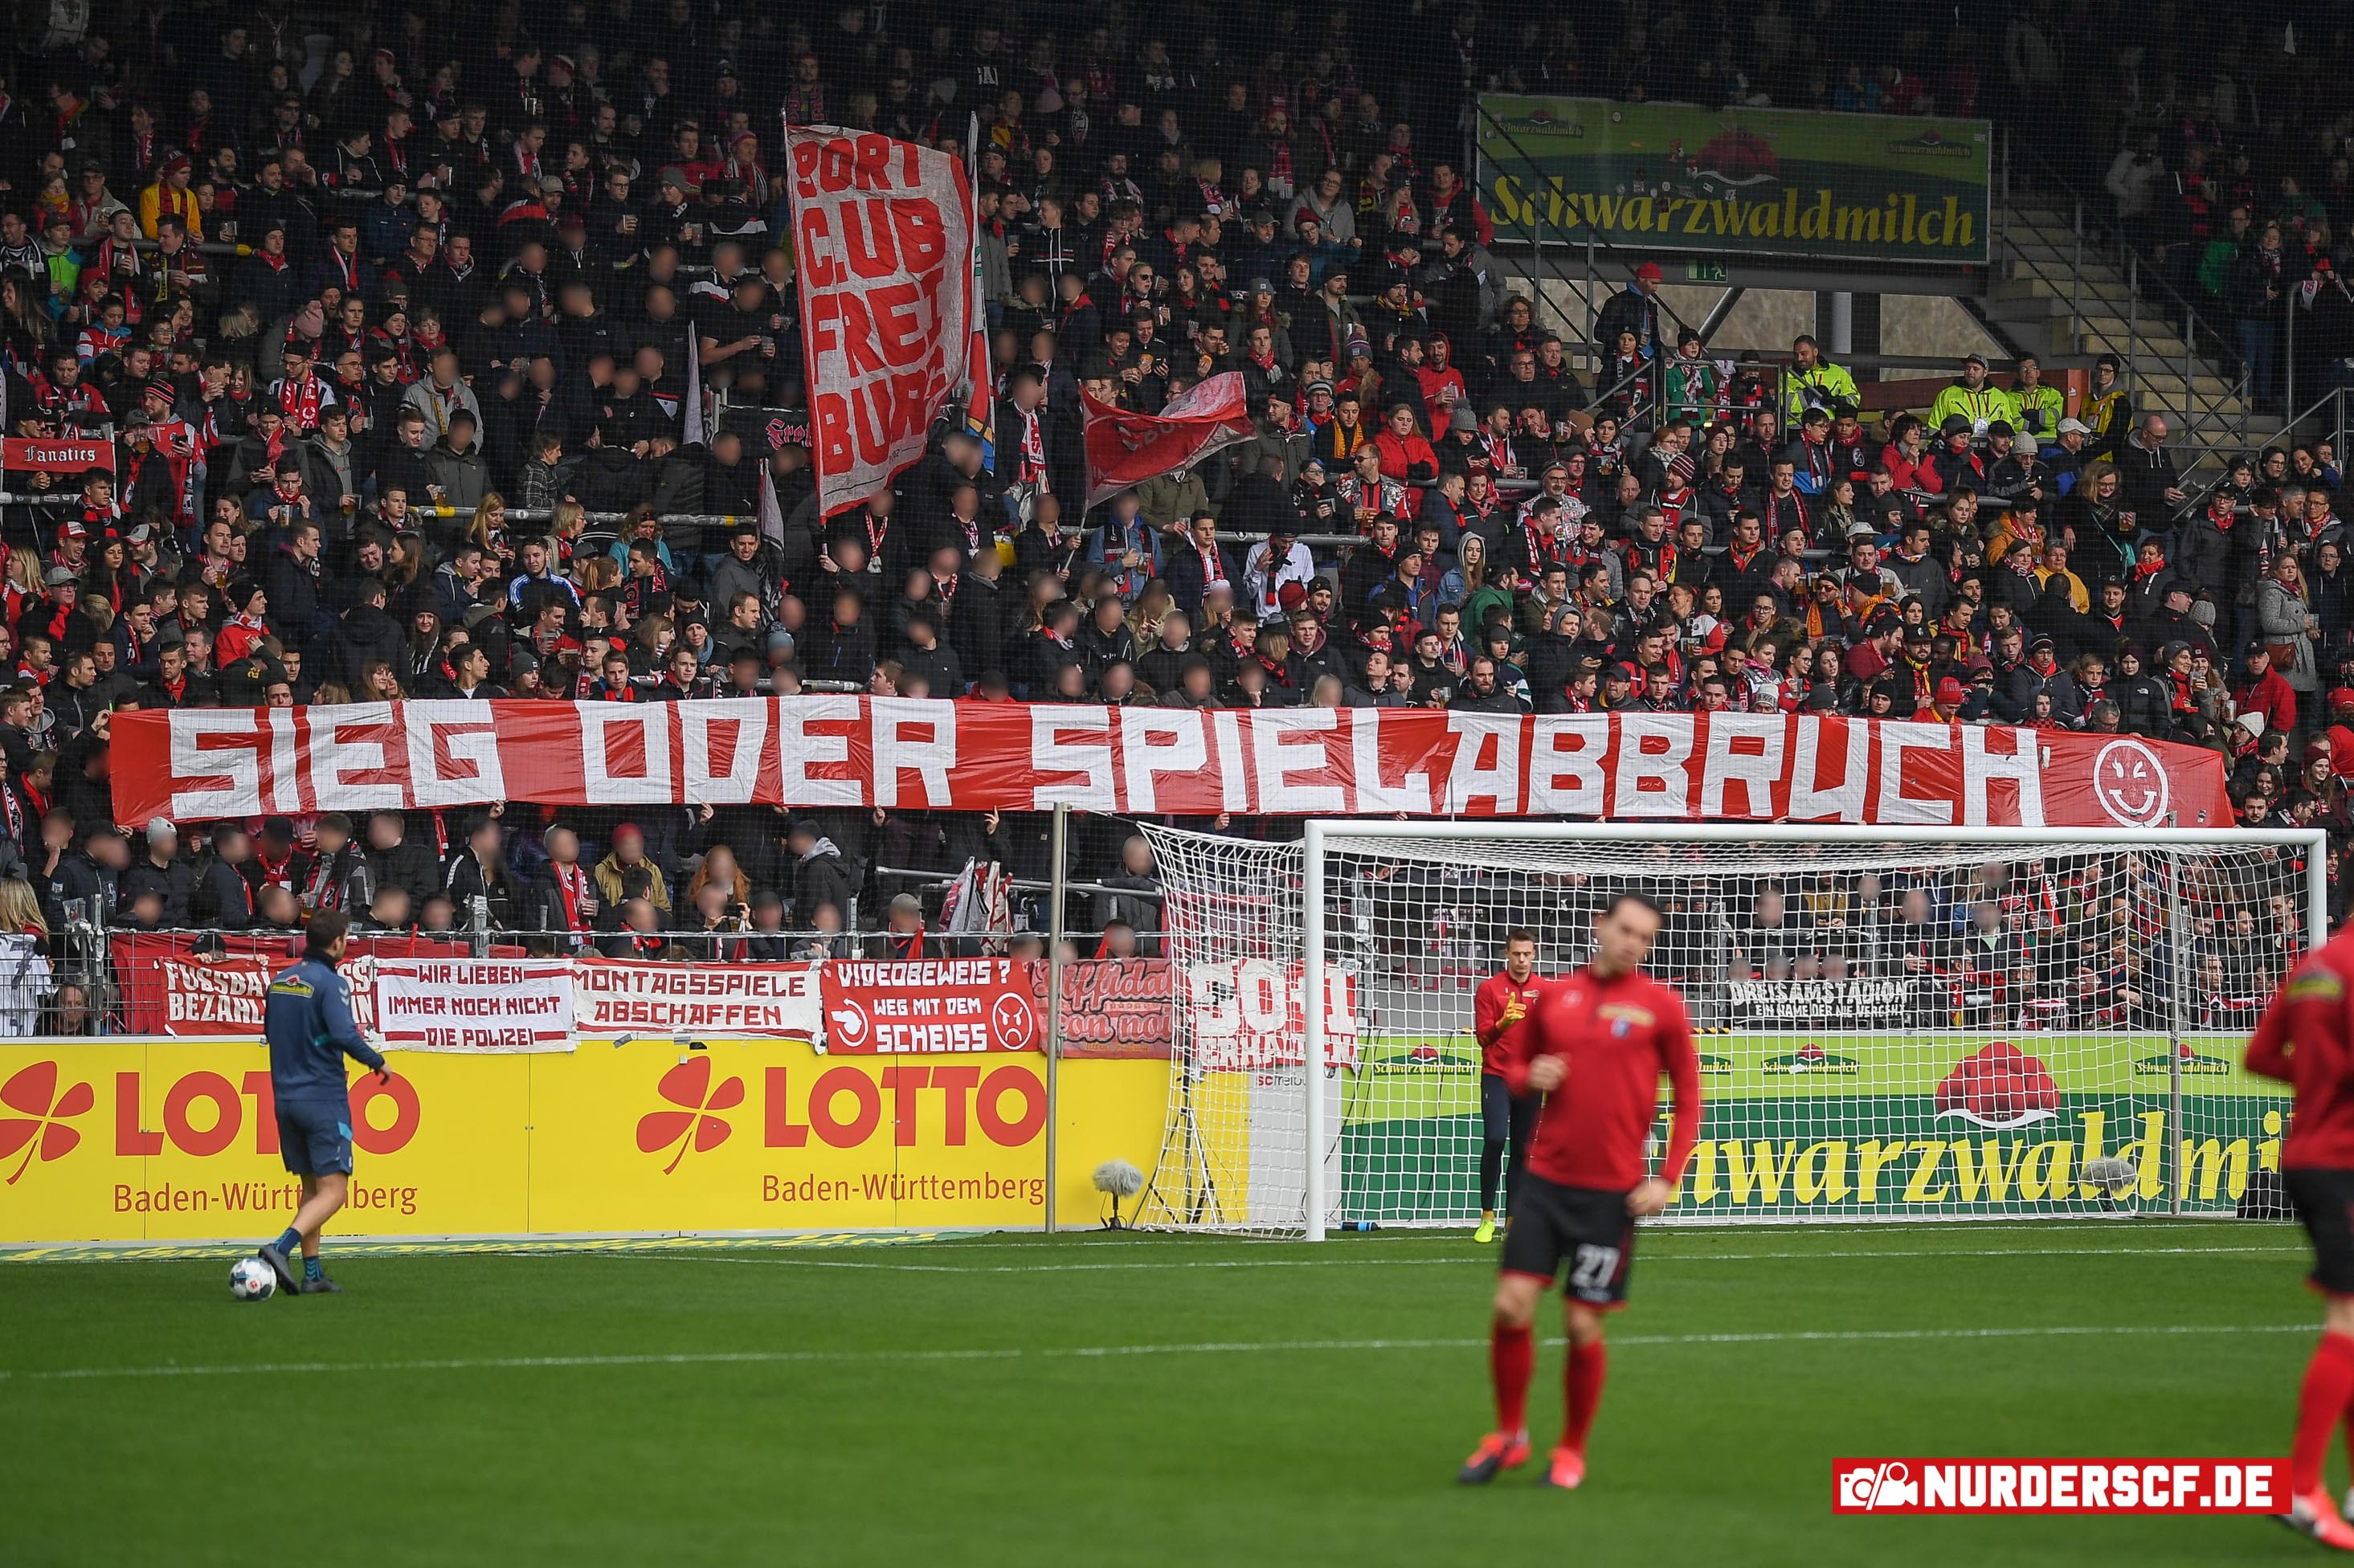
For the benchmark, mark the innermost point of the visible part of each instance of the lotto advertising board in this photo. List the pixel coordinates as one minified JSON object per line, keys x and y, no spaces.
{"x":178,"y":1139}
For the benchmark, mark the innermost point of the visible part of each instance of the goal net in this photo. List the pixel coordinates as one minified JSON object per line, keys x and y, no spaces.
{"x":1892,"y":1024}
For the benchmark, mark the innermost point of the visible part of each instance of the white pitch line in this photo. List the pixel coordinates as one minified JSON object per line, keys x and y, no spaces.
{"x":1649,"y":1260}
{"x":1446,"y":1235}
{"x":1104,"y":1353}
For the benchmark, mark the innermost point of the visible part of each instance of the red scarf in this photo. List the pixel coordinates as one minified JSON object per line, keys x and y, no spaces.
{"x":179,"y":204}
{"x":300,"y":401}
{"x":571,"y":886}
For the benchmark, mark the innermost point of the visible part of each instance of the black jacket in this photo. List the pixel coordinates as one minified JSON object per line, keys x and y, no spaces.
{"x":1188,"y":575}
{"x":293,"y":590}
{"x":2144,"y":706}
{"x":979,"y":624}
{"x":822,"y":876}
{"x":406,"y":865}
{"x":466,"y":879}
{"x":176,"y":879}
{"x":364,"y":633}
{"x":224,"y":897}
{"x":2148,"y":474}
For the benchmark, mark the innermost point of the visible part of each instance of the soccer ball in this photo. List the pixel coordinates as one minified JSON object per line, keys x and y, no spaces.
{"x":250,"y":1279}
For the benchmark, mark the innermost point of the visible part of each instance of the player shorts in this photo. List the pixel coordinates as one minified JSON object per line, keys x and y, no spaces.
{"x":314,"y":1136}
{"x":2325,"y":1203}
{"x":1586,"y":1227}
{"x":1504,"y":1115}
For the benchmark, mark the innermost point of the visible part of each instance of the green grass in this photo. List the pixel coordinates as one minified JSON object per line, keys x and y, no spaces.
{"x":1117,"y":1400}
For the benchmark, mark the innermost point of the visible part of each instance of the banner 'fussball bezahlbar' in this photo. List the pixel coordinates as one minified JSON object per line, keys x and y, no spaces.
{"x":204,"y":764}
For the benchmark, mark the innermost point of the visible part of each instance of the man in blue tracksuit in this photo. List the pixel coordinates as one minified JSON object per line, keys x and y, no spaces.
{"x":308,"y":1019}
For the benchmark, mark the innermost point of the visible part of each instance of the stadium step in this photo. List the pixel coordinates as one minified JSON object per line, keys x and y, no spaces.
{"x":2061,"y":295}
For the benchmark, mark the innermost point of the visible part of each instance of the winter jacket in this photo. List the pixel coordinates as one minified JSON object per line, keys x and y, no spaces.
{"x":2149,"y":473}
{"x":2281,"y":616}
{"x":463,"y":476}
{"x":2144,"y":706}
{"x":822,"y":876}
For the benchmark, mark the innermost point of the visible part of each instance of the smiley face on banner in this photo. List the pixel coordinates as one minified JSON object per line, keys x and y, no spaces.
{"x":1013,"y":1022}
{"x":2130,"y":783}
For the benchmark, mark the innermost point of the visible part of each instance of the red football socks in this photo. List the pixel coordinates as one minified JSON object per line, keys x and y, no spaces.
{"x":2327,"y":1391}
{"x":1582,"y":1390}
{"x":1511,"y":1357}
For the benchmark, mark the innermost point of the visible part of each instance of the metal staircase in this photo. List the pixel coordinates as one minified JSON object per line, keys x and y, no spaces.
{"x":2066,"y":286}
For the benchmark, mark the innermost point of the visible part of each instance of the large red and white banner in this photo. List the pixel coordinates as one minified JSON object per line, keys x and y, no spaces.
{"x":883,"y":239}
{"x":474,"y":1005}
{"x":741,"y":1001}
{"x":1125,"y":448}
{"x":195,"y":765}
{"x":930,"y":1006}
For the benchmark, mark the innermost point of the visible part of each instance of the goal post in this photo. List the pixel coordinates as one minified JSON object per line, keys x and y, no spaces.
{"x":1896,"y":1022}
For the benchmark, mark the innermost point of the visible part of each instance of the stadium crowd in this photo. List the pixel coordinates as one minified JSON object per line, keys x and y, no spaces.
{"x":388,"y":307}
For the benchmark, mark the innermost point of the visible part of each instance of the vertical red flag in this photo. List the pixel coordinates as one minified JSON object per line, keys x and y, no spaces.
{"x":981,"y":396}
{"x":1124,"y":447}
{"x":883,"y":239}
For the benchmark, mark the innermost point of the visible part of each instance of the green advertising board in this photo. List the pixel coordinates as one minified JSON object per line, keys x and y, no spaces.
{"x":1856,"y":1126}
{"x":1773,"y":182}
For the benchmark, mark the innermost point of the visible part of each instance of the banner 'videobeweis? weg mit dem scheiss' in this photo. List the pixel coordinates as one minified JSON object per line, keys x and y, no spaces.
{"x":913,"y":753}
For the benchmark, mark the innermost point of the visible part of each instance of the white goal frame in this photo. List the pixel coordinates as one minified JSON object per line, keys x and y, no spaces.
{"x":1354,"y":835}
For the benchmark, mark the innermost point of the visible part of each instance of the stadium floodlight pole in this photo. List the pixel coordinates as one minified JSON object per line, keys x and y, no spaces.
{"x":1311,"y":1011}
{"x":1060,"y":877}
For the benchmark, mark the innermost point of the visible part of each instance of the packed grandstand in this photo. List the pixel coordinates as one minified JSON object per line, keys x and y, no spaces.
{"x":377,"y":359}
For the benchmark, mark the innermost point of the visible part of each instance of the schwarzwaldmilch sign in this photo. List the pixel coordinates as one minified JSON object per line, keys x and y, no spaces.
{"x":1759,"y":182}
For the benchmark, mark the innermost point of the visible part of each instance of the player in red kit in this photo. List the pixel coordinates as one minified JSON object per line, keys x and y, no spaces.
{"x":2304,"y":1041}
{"x":1497,"y":1008}
{"x":1595,"y":1043}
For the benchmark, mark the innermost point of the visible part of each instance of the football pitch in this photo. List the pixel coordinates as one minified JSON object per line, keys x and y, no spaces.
{"x":1117,"y":1399}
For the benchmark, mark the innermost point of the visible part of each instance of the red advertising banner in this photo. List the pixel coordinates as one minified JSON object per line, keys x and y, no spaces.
{"x":1249,"y":1014}
{"x":204,"y":764}
{"x":1114,"y":1007}
{"x":1124,"y":447}
{"x":441,"y":1000}
{"x":169,"y":989}
{"x":930,"y":1006}
{"x":168,"y":992}
{"x":66,"y":458}
{"x":883,"y":239}
{"x":741,"y":1001}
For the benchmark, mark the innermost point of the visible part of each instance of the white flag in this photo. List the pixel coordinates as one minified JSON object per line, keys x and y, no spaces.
{"x":694,"y":388}
{"x":882,"y":245}
{"x":772,"y":516}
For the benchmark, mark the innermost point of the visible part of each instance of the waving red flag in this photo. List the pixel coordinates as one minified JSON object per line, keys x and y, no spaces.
{"x":1124,"y":447}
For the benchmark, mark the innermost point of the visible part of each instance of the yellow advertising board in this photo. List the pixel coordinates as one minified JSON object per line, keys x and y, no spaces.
{"x":178,"y":1139}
